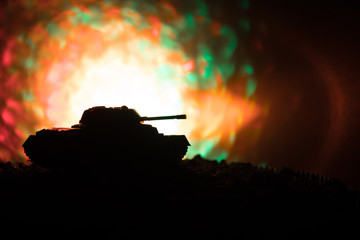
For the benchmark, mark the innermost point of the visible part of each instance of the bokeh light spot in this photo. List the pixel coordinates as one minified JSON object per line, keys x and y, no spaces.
{"x":8,"y":117}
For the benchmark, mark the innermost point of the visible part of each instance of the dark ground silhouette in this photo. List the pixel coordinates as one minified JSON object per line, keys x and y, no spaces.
{"x":195,"y":199}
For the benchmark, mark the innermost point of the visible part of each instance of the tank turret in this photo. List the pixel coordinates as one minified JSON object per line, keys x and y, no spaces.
{"x":116,"y":117}
{"x":106,"y":135}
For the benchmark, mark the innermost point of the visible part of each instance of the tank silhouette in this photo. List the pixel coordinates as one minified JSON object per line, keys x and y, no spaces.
{"x":106,"y":136}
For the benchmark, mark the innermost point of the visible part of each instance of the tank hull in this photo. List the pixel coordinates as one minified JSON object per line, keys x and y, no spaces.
{"x":106,"y":137}
{"x":81,"y":148}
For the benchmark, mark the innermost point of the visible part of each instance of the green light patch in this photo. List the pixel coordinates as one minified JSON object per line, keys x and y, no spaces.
{"x":53,"y":29}
{"x":28,"y":95}
{"x":226,"y":70}
{"x":245,"y":24}
{"x":165,"y":71}
{"x":202,"y":9}
{"x":230,"y":45}
{"x":92,"y":19}
{"x":244,"y":4}
{"x":247,"y":69}
{"x":168,"y":43}
{"x":262,"y":165}
{"x":189,"y":18}
{"x":191,"y":80}
{"x":206,"y":148}
{"x":250,"y":87}
{"x":29,"y":63}
{"x":30,"y":43}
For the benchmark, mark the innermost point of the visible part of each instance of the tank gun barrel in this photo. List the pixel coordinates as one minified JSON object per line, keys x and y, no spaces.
{"x":182,"y":116}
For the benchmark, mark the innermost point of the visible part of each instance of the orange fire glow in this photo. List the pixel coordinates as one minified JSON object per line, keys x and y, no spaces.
{"x":82,"y":61}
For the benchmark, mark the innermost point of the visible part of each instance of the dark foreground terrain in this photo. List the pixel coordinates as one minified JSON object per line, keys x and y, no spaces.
{"x":195,"y":199}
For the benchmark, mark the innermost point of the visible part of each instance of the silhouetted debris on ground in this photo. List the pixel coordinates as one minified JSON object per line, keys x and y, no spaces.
{"x":196,"y":199}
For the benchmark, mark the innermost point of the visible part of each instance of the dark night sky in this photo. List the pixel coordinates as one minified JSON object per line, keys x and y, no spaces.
{"x":315,"y":44}
{"x":330,"y":29}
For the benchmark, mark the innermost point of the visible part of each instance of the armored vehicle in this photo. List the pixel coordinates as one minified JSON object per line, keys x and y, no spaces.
{"x":110,"y":136}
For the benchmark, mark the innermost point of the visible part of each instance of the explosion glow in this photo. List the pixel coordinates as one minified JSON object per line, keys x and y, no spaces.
{"x":153,"y":58}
